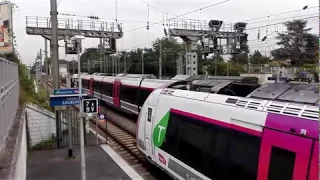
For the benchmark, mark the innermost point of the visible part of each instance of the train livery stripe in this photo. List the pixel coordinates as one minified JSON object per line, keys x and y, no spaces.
{"x":289,"y":123}
{"x":217,"y":122}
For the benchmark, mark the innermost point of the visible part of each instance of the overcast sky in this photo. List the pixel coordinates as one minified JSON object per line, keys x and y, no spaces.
{"x":230,"y":12}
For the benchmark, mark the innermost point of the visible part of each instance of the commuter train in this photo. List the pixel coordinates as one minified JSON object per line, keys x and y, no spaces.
{"x":128,"y":92}
{"x":270,"y":134}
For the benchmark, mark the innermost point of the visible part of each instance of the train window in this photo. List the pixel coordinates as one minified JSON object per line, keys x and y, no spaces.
{"x":241,"y":147}
{"x":281,"y":164}
{"x":149,"y":114}
{"x":85,"y":83}
{"x":128,"y":94}
{"x":106,"y":89}
{"x":143,"y":95}
{"x":211,"y":149}
{"x":96,"y":86}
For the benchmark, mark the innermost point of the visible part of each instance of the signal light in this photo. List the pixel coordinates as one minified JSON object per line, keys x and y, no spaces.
{"x":94,"y":17}
{"x":240,"y":26}
{"x":113,"y":45}
{"x":215,"y":24}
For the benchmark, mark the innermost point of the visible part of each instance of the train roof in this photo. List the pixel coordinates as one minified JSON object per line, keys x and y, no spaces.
{"x":288,"y":92}
{"x":307,"y":111}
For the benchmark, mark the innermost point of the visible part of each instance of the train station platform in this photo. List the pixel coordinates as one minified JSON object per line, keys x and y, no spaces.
{"x":102,"y":163}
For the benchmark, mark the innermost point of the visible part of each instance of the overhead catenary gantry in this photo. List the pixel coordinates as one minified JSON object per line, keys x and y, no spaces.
{"x":67,"y":28}
{"x":215,"y":37}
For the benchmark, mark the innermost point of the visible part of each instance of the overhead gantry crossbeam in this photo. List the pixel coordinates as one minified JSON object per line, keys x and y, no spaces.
{"x":70,"y":27}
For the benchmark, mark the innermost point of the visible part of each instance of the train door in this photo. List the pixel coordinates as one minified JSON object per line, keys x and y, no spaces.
{"x":91,"y":87}
{"x":148,"y":131}
{"x":314,"y":171}
{"x":116,"y":93}
{"x":283,"y":156}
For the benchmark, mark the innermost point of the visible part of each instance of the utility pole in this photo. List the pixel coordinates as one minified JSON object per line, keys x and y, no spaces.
{"x":125,"y":62}
{"x":216,"y":64}
{"x":160,"y":61}
{"x":73,"y":70}
{"x":82,"y":153}
{"x":54,"y":44}
{"x":142,"y":63}
{"x":119,"y":64}
{"x":46,"y":61}
{"x":249,"y":66}
{"x":40,"y":71}
{"x":100,"y":55}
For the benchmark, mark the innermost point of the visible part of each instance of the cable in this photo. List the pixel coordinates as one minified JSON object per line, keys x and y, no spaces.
{"x":206,"y":7}
{"x":59,"y":3}
{"x":278,"y":14}
{"x":284,"y":18}
{"x":90,"y":17}
{"x":157,"y":8}
{"x":310,"y":17}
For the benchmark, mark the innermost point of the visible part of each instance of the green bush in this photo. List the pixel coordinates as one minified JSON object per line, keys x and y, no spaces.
{"x":27,"y":91}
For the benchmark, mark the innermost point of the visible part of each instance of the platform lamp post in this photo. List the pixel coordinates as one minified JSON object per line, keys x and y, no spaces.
{"x":78,"y":39}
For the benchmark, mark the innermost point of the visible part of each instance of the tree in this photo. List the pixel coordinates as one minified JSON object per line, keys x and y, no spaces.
{"x":13,"y":57}
{"x":241,"y":58}
{"x":90,"y":54}
{"x":257,"y":58}
{"x":297,"y":44}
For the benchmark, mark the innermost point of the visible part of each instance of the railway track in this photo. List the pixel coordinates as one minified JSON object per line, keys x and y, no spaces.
{"x":121,"y":137}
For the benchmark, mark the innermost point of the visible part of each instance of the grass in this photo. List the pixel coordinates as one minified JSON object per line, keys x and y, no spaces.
{"x":45,"y":145}
{"x":28,"y":94}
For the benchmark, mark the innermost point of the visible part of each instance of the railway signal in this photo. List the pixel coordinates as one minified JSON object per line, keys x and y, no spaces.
{"x":74,"y":82}
{"x":90,"y":105}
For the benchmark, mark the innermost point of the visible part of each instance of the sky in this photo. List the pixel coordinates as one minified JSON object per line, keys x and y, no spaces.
{"x":135,"y":12}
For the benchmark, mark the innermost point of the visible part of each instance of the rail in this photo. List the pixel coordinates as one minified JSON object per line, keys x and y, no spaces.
{"x":120,"y":136}
{"x":9,"y":96}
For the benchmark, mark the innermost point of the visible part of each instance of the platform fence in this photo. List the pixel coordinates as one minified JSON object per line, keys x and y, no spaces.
{"x":9,"y":96}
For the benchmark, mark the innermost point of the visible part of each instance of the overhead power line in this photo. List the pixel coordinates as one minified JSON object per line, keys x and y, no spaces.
{"x":277,"y":14}
{"x":206,"y":7}
{"x":310,"y":17}
{"x":59,"y":3}
{"x":157,"y":8}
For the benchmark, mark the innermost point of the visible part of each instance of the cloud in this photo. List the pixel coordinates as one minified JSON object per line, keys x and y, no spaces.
{"x":231,"y":12}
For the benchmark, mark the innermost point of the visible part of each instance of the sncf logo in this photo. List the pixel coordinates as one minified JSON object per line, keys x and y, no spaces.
{"x":162,"y":159}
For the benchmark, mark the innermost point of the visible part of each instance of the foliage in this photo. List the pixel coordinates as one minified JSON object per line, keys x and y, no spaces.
{"x":27,"y":91}
{"x":171,"y":51}
{"x":45,"y":145}
{"x":297,"y":44}
{"x":13,"y":57}
{"x":224,"y":68}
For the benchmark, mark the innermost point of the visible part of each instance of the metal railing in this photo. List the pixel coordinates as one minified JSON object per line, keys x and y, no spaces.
{"x":64,"y":23}
{"x":9,"y":96}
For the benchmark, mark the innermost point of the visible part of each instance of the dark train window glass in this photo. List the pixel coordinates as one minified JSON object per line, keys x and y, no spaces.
{"x":106,"y":89}
{"x":281,"y":164}
{"x":96,"y":86}
{"x":143,"y":95}
{"x":85,"y":83}
{"x":209,"y":149}
{"x":128,"y":94}
{"x":244,"y":155}
{"x":149,"y":114}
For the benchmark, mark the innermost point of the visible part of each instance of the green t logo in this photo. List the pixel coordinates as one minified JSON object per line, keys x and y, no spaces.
{"x":160,"y":130}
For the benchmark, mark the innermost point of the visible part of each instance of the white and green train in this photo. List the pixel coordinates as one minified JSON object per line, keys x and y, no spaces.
{"x":200,"y":136}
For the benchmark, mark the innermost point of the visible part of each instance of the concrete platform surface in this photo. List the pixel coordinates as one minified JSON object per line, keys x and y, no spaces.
{"x":53,"y":165}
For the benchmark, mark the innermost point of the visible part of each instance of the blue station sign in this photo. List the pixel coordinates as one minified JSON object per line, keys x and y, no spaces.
{"x":66,"y":91}
{"x":64,"y":101}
